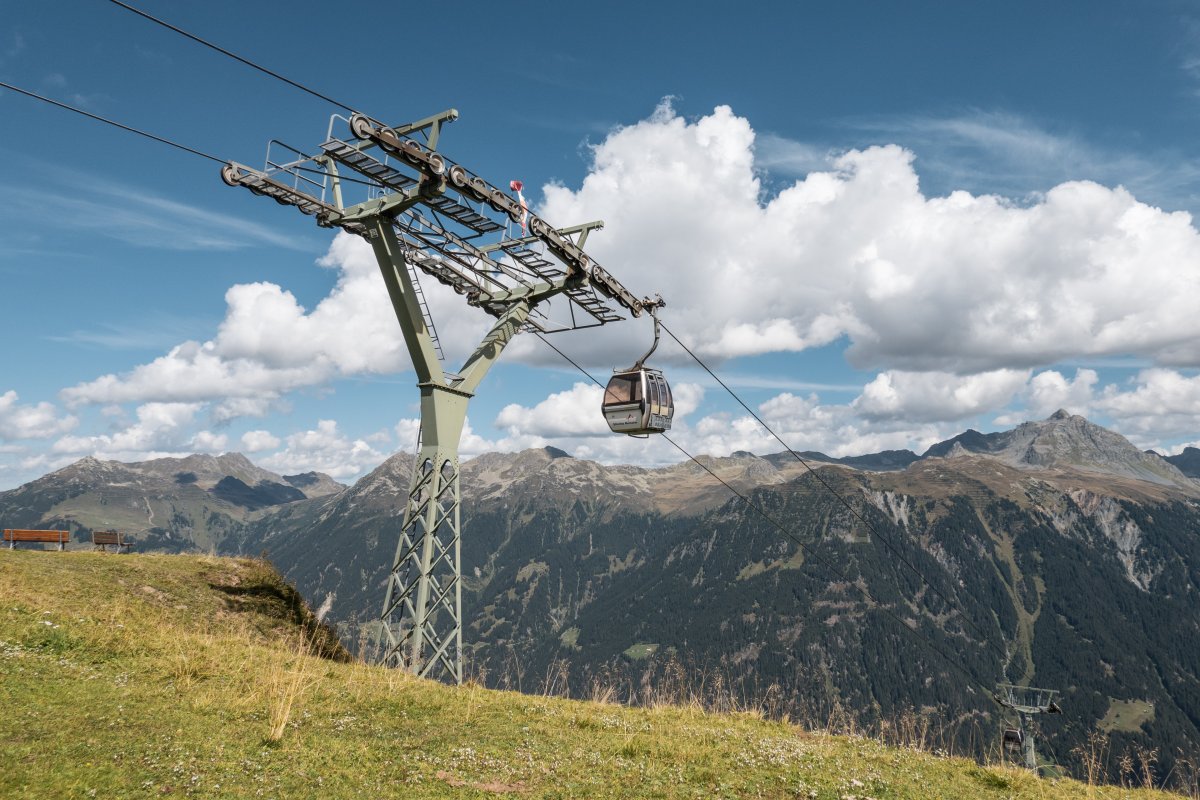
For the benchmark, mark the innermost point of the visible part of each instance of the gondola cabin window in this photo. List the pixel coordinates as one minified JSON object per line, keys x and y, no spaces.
{"x":623,"y":389}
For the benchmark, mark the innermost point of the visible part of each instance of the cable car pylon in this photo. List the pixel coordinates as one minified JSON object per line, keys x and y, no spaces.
{"x":422,"y":212}
{"x":1026,"y":701}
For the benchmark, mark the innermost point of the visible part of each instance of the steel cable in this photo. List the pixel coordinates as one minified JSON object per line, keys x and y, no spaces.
{"x":232,"y":55}
{"x":849,"y":507}
{"x":114,"y":123}
{"x":987,"y":690}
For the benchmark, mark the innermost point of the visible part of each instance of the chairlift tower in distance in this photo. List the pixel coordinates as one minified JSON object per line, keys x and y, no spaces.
{"x":425,"y":214}
{"x":1026,"y":701}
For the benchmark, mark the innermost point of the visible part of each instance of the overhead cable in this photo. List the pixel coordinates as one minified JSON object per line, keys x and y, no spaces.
{"x":114,"y":123}
{"x":232,"y":55}
{"x":844,"y":574}
{"x":849,"y":507}
{"x":163,"y":140}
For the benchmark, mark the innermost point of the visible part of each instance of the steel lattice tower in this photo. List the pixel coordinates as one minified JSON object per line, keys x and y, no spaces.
{"x":1026,"y":701}
{"x":424,"y":213}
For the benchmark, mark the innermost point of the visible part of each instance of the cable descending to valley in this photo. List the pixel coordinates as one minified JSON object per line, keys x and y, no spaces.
{"x":849,"y":507}
{"x":843,"y":573}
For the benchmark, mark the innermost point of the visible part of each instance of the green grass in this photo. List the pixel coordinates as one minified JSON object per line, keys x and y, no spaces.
{"x":794,"y":561}
{"x":170,"y":676}
{"x":641,"y":650}
{"x":1126,"y":715}
{"x":570,"y":637}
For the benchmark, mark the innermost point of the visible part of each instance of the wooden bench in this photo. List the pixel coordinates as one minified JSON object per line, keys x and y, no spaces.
{"x":12,"y":536}
{"x":102,"y":539}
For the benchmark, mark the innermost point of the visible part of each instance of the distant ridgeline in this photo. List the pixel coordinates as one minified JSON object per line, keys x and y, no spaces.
{"x":1056,"y":554}
{"x":171,"y":504}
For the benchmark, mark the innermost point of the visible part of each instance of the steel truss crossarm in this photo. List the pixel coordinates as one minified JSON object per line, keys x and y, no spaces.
{"x":379,"y":182}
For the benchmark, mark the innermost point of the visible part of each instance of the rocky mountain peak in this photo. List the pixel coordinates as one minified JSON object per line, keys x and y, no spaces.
{"x":1067,"y":441}
{"x":235,"y":460}
{"x":83,"y":469}
{"x":957,"y":451}
{"x":314,"y":484}
{"x":1187,"y":462}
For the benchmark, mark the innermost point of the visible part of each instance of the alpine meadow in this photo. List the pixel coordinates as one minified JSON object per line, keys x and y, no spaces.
{"x":672,"y":400}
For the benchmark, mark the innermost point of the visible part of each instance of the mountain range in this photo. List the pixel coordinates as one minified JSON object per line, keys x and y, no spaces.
{"x":1055,"y":554}
{"x":172,"y":504}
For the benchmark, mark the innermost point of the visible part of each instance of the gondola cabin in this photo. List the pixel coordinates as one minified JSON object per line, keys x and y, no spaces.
{"x":638,"y":402}
{"x":1013,"y":739}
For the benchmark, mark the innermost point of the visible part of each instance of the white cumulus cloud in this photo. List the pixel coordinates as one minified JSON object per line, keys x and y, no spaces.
{"x":961,"y":283}
{"x":160,"y":429}
{"x":258,"y":441}
{"x":38,"y":421}
{"x":937,"y":396}
{"x":324,"y":449}
{"x":1162,"y":404}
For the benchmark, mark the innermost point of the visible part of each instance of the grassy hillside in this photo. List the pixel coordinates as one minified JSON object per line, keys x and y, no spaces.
{"x":153,"y":676}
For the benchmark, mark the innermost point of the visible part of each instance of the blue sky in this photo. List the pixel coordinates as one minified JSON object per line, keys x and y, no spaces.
{"x":884,"y":223}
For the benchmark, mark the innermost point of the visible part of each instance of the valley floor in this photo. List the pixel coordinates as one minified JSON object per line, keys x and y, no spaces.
{"x":167,"y":676}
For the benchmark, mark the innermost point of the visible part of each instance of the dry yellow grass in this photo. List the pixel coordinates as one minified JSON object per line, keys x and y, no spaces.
{"x":159,"y":676}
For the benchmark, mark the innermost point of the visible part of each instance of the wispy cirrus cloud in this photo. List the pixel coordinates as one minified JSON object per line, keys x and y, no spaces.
{"x":153,"y":331}
{"x":789,"y":156}
{"x":13,"y":46}
{"x":1014,"y":155}
{"x":134,"y":215}
{"x":147,"y":220}
{"x":998,"y":152}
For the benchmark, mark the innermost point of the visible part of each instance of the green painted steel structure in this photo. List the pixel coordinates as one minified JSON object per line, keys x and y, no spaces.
{"x":513,"y":278}
{"x":1026,"y":702}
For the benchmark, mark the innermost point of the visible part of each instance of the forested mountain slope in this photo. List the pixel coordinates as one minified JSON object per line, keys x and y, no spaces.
{"x":1059,"y":555}
{"x":1056,"y":554}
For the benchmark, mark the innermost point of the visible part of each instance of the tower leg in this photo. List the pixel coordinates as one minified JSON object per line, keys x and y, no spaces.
{"x":422,"y":613}
{"x":422,"y":609}
{"x":1030,"y":753}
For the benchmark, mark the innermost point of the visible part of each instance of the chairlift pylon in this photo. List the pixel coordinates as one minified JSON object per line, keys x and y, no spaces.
{"x":637,"y":400}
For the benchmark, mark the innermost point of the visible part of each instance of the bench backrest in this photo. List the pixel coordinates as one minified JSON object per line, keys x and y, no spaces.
{"x":108,"y":537}
{"x":15,"y":535}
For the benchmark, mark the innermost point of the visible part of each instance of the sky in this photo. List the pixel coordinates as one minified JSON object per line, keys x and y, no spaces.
{"x":880,"y":223}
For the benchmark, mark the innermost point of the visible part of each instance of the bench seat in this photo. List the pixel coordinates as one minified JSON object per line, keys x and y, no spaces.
{"x":14,"y":535}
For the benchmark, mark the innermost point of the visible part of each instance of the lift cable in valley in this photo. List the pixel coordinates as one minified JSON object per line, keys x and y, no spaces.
{"x":843,"y":573}
{"x":886,"y":541}
{"x":1026,"y":702}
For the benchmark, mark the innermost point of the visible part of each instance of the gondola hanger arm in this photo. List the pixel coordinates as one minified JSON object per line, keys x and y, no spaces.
{"x":651,"y":306}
